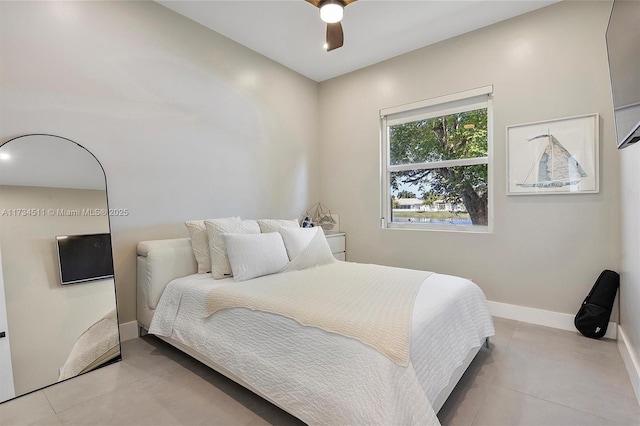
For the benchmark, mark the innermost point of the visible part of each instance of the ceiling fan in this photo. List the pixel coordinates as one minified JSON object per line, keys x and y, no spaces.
{"x":331,"y":12}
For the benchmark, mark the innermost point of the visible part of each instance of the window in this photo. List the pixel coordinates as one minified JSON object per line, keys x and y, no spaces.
{"x":436,"y":168}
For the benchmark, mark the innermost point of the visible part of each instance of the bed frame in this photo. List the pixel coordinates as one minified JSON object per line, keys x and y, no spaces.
{"x":162,"y":261}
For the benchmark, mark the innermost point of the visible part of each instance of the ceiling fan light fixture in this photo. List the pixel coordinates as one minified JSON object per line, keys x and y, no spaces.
{"x":331,"y":11}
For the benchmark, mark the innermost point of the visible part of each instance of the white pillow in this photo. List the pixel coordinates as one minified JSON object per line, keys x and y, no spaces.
{"x":200,"y":243}
{"x":255,"y":255}
{"x":272,"y":225}
{"x":220,"y":267}
{"x":297,"y":239}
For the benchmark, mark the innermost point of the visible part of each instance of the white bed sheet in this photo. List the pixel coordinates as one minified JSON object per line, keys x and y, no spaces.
{"x":326,"y":378}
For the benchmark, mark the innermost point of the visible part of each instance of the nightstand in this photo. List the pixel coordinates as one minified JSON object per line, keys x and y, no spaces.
{"x":338,"y":246}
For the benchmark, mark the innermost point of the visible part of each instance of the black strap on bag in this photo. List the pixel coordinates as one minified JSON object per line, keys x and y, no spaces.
{"x":593,"y":317}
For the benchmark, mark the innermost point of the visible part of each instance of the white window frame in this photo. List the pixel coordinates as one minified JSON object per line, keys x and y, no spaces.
{"x":435,"y":107}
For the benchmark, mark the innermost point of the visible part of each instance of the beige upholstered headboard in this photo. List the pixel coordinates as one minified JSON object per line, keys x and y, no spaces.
{"x":159,"y":262}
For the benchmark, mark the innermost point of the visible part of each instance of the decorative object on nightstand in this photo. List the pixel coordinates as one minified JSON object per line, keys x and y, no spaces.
{"x":320,"y":215}
{"x":307,"y":222}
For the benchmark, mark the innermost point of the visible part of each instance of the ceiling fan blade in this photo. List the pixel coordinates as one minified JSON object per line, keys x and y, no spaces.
{"x":316,"y":3}
{"x":335,"y":36}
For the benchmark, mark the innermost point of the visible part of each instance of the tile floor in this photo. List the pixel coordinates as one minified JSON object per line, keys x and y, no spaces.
{"x":531,"y":375}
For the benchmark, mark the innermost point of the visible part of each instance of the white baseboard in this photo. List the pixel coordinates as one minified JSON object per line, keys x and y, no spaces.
{"x":631,"y":360}
{"x":128,"y":331}
{"x":542,"y":317}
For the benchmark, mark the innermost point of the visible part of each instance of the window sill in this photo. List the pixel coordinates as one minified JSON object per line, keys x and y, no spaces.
{"x":440,"y":228}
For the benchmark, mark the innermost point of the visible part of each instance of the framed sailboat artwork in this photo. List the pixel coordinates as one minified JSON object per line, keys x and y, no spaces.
{"x":553,"y":157}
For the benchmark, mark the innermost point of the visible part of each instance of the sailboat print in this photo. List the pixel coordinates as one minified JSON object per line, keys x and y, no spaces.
{"x":553,"y":167}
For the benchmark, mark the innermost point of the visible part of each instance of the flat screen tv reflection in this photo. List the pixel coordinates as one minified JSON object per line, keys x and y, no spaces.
{"x":84,"y":258}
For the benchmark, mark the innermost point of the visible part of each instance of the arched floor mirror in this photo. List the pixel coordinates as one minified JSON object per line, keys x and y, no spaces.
{"x":58,"y":314}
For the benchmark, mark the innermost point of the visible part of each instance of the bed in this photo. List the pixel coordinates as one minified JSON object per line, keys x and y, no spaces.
{"x":312,"y":372}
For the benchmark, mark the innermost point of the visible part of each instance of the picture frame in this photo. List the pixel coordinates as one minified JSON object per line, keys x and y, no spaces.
{"x":558,"y":156}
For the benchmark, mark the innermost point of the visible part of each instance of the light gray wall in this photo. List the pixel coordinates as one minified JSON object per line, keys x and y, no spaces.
{"x":45,"y":318}
{"x":630,"y":268}
{"x":546,"y":251}
{"x":186,"y":123}
{"x":625,"y":72}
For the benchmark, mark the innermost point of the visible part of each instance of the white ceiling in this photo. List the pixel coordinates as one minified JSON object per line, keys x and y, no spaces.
{"x":290,"y":31}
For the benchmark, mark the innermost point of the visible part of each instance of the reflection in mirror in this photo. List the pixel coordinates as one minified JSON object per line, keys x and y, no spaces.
{"x":49,"y":331}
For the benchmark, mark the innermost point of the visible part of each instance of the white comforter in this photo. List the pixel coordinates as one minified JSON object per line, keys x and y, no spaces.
{"x":326,"y":378}
{"x":369,"y":303}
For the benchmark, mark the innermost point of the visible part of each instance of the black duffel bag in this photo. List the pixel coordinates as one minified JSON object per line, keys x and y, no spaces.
{"x":593,"y":317}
